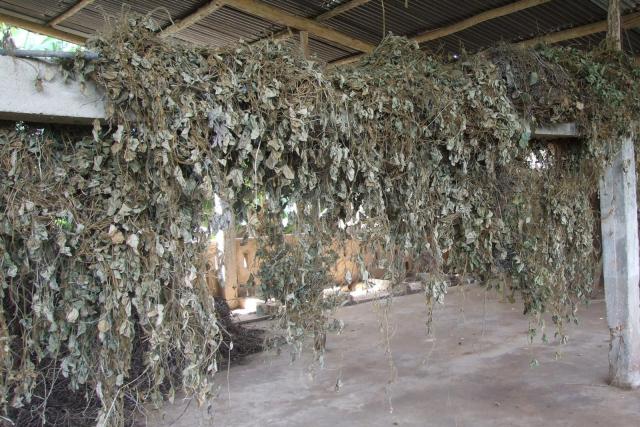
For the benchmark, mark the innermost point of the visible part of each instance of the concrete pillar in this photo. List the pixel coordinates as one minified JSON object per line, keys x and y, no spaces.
{"x":619,"y":222}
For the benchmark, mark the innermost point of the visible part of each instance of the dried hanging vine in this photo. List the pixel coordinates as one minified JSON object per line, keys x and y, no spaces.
{"x":101,"y":236}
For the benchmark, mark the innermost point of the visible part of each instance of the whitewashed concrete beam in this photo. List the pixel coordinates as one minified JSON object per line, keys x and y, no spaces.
{"x":556,"y":131}
{"x":35,"y":91}
{"x":619,"y":222}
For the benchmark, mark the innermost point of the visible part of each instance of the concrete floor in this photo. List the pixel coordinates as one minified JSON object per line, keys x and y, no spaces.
{"x":463,"y":377}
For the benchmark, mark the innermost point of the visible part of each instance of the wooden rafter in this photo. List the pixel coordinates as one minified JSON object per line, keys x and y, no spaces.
{"x":340,"y":9}
{"x":336,"y":11}
{"x":70,"y":12}
{"x":282,"y":17}
{"x":477,"y":19}
{"x":439,"y":33}
{"x":194,"y":17}
{"x":346,"y":61}
{"x":628,"y":21}
{"x":41,"y":29}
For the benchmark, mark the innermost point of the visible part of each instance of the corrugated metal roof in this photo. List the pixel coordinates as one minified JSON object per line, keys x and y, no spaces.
{"x":308,"y":9}
{"x":367,"y":22}
{"x":234,"y":25}
{"x":542,"y":19}
{"x":217,"y":30}
{"x":625,"y":5}
{"x":92,"y":17}
{"x":40,"y":10}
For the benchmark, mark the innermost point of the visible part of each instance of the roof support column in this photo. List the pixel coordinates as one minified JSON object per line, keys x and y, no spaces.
{"x":230,"y":262}
{"x":620,"y":255}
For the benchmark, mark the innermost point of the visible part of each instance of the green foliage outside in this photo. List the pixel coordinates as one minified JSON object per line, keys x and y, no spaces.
{"x":27,"y":40}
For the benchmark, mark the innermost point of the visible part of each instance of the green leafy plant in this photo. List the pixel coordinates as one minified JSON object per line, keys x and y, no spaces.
{"x":101,"y":237}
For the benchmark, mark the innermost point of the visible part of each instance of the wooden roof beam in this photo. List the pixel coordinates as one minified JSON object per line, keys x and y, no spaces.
{"x":628,"y":22}
{"x":488,"y":15}
{"x":336,"y":11}
{"x":70,"y":12}
{"x":42,"y":29}
{"x":340,"y":9}
{"x":198,"y":15}
{"x":439,"y":33}
{"x":284,"y":18}
{"x":345,"y":61}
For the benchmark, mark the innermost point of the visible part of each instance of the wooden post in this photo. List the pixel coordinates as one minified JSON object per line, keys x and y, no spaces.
{"x":619,"y":222}
{"x":614,"y":33}
{"x":304,"y":43}
{"x":229,"y":265}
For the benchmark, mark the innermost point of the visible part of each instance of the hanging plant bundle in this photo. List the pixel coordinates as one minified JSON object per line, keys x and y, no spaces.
{"x":101,"y":230}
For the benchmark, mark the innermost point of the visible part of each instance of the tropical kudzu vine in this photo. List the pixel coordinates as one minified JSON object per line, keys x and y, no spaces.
{"x":101,"y":244}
